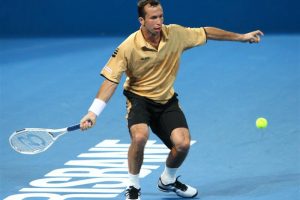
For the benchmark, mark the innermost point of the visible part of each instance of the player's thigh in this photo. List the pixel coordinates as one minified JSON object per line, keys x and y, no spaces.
{"x":172,"y":127}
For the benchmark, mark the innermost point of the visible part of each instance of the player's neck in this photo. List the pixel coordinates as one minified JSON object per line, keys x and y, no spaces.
{"x":153,"y":39}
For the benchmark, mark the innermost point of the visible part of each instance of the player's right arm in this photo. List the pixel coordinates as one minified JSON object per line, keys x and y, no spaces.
{"x":112,"y":72}
{"x":105,"y":92}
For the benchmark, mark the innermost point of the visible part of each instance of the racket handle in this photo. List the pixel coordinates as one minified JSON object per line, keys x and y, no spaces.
{"x":73,"y":128}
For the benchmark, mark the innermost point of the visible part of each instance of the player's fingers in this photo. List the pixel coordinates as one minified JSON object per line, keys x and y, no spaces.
{"x":258,"y":33}
{"x":83,"y":126}
{"x":252,"y":40}
{"x":85,"y":123}
{"x":255,"y":39}
{"x":88,"y":121}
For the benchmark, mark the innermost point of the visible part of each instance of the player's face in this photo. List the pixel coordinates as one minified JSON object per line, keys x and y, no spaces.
{"x":153,"y":20}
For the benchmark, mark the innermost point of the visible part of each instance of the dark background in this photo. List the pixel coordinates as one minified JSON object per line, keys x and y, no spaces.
{"x":21,"y":18}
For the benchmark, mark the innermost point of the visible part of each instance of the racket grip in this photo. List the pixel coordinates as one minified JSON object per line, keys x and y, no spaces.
{"x":73,"y":128}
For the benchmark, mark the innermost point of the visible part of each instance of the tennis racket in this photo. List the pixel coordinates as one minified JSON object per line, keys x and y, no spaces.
{"x":37,"y":140}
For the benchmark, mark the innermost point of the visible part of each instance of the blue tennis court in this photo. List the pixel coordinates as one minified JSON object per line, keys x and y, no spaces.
{"x":49,"y":81}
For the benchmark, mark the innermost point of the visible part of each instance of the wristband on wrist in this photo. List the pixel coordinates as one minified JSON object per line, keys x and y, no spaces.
{"x":97,"y":106}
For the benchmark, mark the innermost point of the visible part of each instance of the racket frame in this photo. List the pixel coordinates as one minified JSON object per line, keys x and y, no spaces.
{"x":54,"y":133}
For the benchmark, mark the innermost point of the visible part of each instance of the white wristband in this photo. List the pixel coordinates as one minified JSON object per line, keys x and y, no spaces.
{"x":97,"y":106}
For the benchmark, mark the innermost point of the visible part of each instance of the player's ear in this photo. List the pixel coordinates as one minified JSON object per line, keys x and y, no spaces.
{"x":142,"y":21}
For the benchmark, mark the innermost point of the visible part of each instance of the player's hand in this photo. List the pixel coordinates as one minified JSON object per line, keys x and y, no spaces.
{"x":88,"y":121}
{"x":252,"y":37}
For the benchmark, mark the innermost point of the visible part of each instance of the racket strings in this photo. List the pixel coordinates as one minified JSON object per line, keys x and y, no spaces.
{"x":31,"y":141}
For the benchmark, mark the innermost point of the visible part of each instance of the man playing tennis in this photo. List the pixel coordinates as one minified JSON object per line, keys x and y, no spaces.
{"x":150,"y":59}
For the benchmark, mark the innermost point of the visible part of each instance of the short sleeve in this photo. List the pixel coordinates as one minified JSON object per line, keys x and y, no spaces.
{"x":191,"y":37}
{"x":116,"y":65}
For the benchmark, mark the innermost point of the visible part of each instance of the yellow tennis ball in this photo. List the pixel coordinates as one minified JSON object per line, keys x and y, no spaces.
{"x":261,"y":122}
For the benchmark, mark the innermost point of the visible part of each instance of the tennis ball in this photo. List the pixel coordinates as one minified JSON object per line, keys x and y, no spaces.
{"x":261,"y":123}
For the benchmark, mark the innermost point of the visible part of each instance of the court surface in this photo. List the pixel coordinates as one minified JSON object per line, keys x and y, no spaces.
{"x":223,"y":87}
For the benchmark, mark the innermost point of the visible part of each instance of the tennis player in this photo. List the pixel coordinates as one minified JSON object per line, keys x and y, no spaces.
{"x":150,"y":59}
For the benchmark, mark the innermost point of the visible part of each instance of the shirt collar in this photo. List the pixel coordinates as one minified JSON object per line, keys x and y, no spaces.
{"x":141,"y":42}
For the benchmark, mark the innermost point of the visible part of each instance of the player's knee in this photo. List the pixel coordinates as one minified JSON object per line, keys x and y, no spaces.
{"x":140,"y":140}
{"x":181,"y":140}
{"x":183,"y":147}
{"x":139,"y":135}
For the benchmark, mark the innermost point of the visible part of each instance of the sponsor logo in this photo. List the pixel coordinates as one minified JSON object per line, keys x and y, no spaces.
{"x":99,"y":173}
{"x":115,"y":52}
{"x":145,"y":58}
{"x":108,"y":69}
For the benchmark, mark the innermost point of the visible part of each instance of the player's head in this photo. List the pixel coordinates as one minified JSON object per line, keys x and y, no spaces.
{"x":141,"y":6}
{"x":151,"y":15}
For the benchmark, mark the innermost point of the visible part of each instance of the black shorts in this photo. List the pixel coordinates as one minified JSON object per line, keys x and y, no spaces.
{"x":161,"y":118}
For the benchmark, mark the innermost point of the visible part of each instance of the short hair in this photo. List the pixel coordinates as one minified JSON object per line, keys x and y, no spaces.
{"x":142,"y":3}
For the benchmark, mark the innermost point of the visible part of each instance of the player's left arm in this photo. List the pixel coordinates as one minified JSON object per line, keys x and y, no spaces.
{"x":213,"y":33}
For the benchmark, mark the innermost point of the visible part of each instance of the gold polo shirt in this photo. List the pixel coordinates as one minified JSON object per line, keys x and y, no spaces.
{"x":151,"y":72}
